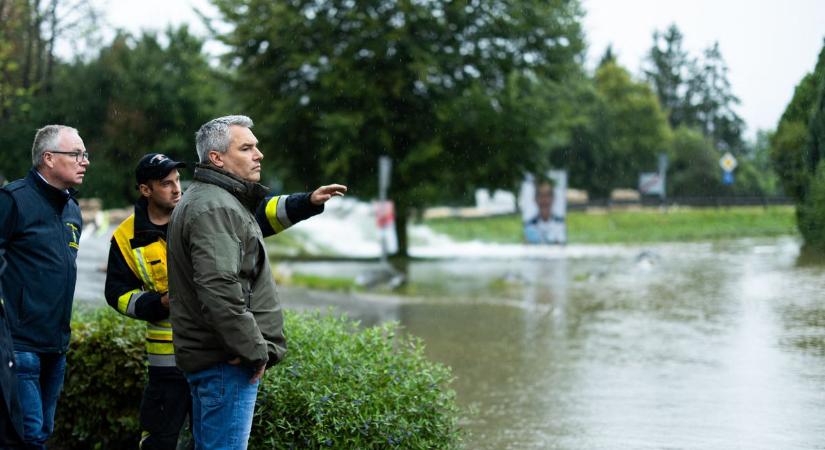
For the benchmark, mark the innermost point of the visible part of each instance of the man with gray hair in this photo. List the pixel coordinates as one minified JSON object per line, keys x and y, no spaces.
{"x":224,"y":308}
{"x":40,"y":227}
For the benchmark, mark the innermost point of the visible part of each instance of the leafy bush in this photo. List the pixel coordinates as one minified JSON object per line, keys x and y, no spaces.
{"x":105,"y":373}
{"x":339,"y":387}
{"x":344,"y":388}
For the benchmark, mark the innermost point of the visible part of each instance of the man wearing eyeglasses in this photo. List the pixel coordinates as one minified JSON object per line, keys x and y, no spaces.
{"x":40,"y":227}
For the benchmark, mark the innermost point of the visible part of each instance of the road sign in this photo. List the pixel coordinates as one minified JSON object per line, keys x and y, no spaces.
{"x":727,"y":162}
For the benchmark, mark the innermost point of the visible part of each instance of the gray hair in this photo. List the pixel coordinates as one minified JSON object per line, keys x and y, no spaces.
{"x":214,"y":135}
{"x":46,"y":139}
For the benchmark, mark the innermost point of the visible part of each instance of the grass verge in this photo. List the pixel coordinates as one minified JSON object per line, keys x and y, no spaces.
{"x":648,"y":225}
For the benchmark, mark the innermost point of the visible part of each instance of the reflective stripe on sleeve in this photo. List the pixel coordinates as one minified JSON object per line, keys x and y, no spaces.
{"x":276,"y":213}
{"x":161,"y":360}
{"x":159,"y":331}
{"x":126,"y":302}
{"x":160,"y":348}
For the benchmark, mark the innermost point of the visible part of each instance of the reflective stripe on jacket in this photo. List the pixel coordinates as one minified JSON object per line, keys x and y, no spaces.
{"x":147,"y":261}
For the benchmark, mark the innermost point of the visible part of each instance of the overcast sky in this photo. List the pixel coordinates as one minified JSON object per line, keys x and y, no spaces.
{"x":769,"y":45}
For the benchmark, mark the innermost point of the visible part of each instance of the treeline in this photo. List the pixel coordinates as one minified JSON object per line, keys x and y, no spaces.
{"x":459,"y":94}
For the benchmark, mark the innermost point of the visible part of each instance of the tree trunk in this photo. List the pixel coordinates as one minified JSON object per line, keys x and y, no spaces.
{"x":47,"y":78}
{"x":3,"y":16}
{"x":30,"y":32}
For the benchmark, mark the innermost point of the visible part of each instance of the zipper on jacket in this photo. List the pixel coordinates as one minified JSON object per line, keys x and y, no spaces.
{"x":247,"y":294}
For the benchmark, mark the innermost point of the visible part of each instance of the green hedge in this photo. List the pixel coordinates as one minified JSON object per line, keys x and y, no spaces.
{"x":340,"y":386}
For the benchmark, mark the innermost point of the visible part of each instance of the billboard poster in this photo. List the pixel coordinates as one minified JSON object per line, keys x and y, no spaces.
{"x":543,"y":204}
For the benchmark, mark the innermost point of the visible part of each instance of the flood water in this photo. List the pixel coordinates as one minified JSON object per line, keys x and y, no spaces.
{"x":702,"y":345}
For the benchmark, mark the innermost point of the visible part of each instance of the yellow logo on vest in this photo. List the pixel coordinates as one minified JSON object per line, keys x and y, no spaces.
{"x":74,"y":243}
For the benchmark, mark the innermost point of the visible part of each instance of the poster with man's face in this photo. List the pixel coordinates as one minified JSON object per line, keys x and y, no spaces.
{"x":543,"y":203}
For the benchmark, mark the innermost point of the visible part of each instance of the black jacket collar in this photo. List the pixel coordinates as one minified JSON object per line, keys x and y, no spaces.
{"x":142,"y":223}
{"x":248,"y":193}
{"x":56,"y":197}
{"x":145,"y":231}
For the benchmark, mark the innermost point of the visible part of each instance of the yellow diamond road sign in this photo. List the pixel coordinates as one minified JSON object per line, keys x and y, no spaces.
{"x":727,"y":162}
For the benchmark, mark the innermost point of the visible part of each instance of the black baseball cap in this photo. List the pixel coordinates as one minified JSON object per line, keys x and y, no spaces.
{"x":155,"y":166}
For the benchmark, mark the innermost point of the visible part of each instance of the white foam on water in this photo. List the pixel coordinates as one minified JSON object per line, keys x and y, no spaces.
{"x":348,"y":228}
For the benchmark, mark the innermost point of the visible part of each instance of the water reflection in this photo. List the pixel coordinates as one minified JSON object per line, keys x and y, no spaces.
{"x":686,"y":346}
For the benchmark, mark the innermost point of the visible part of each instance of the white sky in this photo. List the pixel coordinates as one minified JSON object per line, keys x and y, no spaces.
{"x":769,"y":45}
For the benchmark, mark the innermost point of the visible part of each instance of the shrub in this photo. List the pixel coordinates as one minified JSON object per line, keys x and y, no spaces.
{"x":105,"y":372}
{"x":344,"y":388}
{"x":339,"y":387}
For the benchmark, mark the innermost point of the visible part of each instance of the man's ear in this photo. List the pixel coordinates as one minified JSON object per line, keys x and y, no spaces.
{"x":47,"y":160}
{"x":216,"y":158}
{"x":145,"y":190}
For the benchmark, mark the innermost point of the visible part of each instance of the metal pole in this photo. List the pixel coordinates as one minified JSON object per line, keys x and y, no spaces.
{"x":384,"y":171}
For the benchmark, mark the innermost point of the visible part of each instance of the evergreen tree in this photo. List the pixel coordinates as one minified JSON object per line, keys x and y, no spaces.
{"x":797,"y":150}
{"x":609,"y":56}
{"x":668,"y":70}
{"x":792,"y":158}
{"x":710,"y":101}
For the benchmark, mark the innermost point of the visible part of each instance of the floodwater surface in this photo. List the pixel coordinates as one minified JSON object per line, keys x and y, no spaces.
{"x":701,"y":345}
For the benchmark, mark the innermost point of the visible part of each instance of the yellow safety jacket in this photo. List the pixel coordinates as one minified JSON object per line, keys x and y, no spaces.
{"x":148,"y":263}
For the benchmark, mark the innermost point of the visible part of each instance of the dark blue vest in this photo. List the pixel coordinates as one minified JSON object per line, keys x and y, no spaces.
{"x":41,"y":254}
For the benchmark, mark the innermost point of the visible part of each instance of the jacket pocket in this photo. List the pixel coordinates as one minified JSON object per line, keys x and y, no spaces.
{"x":226,"y":253}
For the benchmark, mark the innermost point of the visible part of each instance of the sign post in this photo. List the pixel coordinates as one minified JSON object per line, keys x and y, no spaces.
{"x":385,"y":214}
{"x":662,"y":176}
{"x":728,"y":163}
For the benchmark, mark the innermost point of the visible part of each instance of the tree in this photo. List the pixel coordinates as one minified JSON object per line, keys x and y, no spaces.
{"x":669,"y":68}
{"x":633,"y":130}
{"x":792,"y":160}
{"x":709,"y":102}
{"x":606,"y":130}
{"x":811,"y":212}
{"x":29,"y":33}
{"x":438,"y":86}
{"x":759,"y":154}
{"x":609,"y":56}
{"x":694,"y":169}
{"x":137,"y":96}
{"x":693,"y":92}
{"x":797,"y":149}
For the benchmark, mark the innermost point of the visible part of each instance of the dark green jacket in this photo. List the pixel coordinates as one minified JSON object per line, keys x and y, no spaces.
{"x":223,"y":300}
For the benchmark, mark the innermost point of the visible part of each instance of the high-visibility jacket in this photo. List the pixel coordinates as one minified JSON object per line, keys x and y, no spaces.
{"x":136,"y":280}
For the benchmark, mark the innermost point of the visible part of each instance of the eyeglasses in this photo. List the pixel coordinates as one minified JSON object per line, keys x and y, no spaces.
{"x":78,"y":156}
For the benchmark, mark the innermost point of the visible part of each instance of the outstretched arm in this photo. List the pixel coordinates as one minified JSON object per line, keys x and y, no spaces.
{"x":279,"y":212}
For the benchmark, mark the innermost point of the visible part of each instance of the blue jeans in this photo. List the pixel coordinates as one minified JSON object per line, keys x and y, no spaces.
{"x":223,"y":402}
{"x":39,"y":381}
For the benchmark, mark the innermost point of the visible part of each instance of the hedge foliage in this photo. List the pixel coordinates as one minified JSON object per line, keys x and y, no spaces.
{"x":340,"y":387}
{"x":105,"y":372}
